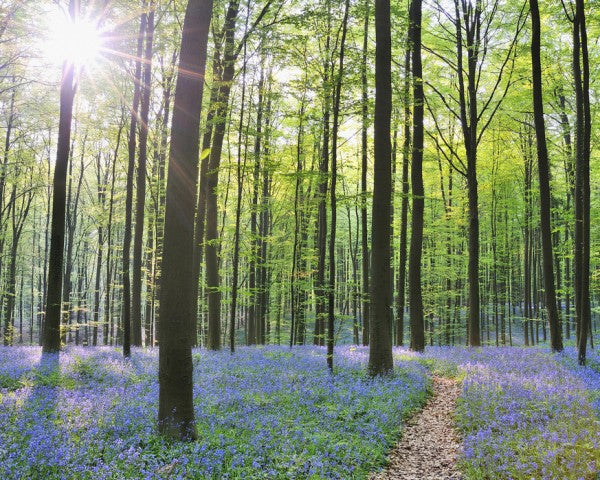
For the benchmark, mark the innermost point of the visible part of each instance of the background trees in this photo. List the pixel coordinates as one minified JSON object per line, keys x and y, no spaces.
{"x":276,"y":178}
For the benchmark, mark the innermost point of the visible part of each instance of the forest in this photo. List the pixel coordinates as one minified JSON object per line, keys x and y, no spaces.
{"x":299,"y":239}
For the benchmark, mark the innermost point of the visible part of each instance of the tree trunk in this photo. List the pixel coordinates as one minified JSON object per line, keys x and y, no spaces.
{"x":582,"y":180}
{"x":51,"y":342}
{"x":176,"y":332}
{"x":417,"y":334}
{"x":401,"y":300}
{"x":126,"y":309}
{"x":556,"y":343}
{"x":213,"y":280}
{"x":363,"y":181}
{"x":380,"y":340}
{"x":140,"y":204}
{"x":332,"y":234}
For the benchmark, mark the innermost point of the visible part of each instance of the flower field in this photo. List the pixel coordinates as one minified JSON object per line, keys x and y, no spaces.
{"x":525,"y":414}
{"x":262,"y":413}
{"x":277,"y":413}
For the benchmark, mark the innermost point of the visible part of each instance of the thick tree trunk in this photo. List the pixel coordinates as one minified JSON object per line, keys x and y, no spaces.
{"x":380,"y":339}
{"x":176,"y":332}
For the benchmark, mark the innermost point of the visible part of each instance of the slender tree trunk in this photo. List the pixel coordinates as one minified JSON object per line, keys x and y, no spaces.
{"x":126,"y":310}
{"x":401,"y":301}
{"x":581,"y":76}
{"x":417,"y":334}
{"x":333,"y":197}
{"x":363,"y":180}
{"x":51,"y":342}
{"x":140,"y":204}
{"x":556,"y":343}
{"x":241,"y":169}
{"x":109,"y":269}
{"x":213,"y":280}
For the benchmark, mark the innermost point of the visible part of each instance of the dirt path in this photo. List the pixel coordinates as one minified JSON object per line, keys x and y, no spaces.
{"x":430,"y":445}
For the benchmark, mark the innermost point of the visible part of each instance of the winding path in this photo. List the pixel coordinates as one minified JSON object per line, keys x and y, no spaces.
{"x":430,"y":445}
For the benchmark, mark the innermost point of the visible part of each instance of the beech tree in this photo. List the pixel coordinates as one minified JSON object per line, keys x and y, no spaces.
{"x":544,"y":179}
{"x":380,"y":335}
{"x":51,"y":341}
{"x":175,"y":332}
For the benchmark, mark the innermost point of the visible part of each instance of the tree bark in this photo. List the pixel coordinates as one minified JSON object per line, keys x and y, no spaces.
{"x":556,"y":343}
{"x":140,"y":204}
{"x":333,"y":197}
{"x":417,"y":333}
{"x":176,"y":407}
{"x":131,"y":146}
{"x":363,"y":181}
{"x":380,"y":340}
{"x":51,"y":342}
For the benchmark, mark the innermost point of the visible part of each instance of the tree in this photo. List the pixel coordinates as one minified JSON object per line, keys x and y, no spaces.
{"x":544,"y":177}
{"x":176,"y":315}
{"x":581,"y":75}
{"x":51,"y":341}
{"x":145,"y":91}
{"x":131,"y":147}
{"x":334,"y":154}
{"x":417,"y":333}
{"x":380,"y":339}
{"x":472,"y":32}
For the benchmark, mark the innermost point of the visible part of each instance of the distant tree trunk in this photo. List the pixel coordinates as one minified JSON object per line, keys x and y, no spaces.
{"x":140,"y":204}
{"x":380,"y":340}
{"x":401,"y":300}
{"x":264,"y":228}
{"x":363,"y":180}
{"x":126,"y":310}
{"x":417,"y":333}
{"x":71,"y":224}
{"x":101,"y":195}
{"x":556,"y":343}
{"x":18,"y":214}
{"x":176,"y":330}
{"x":334,"y":148}
{"x":321,"y":235}
{"x":51,"y":342}
{"x":295,"y":308}
{"x":527,"y":313}
{"x":109,"y":269}
{"x":241,"y":169}
{"x":252,"y":307}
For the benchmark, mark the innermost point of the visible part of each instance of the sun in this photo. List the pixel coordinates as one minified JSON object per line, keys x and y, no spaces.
{"x":79,"y":42}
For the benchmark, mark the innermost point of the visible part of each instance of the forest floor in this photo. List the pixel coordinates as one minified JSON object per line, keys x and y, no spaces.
{"x":278,"y":413}
{"x":430,"y":445}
